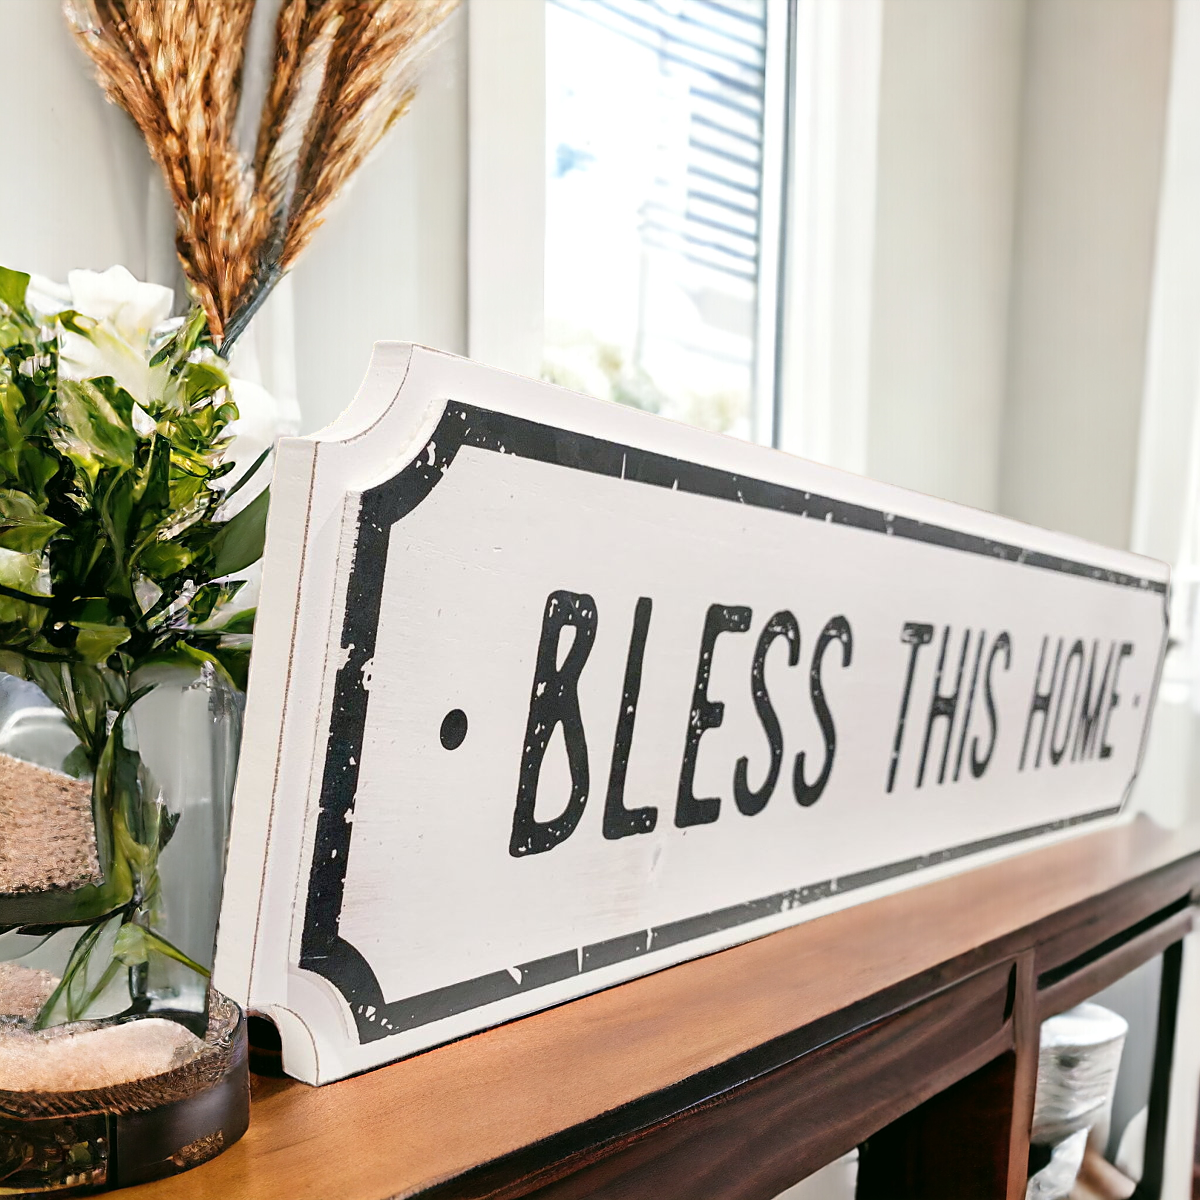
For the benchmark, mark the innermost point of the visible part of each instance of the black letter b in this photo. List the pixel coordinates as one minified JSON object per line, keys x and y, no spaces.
{"x":553,"y":701}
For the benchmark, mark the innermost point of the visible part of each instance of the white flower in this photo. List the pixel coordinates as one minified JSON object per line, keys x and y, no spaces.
{"x":255,"y":430}
{"x":126,"y":312}
{"x":128,"y":315}
{"x":130,"y":308}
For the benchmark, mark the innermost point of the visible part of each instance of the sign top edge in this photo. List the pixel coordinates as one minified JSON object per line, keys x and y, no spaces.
{"x":404,"y":393}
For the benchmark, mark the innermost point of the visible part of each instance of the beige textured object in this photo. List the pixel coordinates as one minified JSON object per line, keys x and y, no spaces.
{"x":23,"y":990}
{"x":61,"y":1060}
{"x":47,"y":836}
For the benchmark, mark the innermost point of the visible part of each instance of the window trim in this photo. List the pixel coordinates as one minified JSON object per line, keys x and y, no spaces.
{"x":829,"y":281}
{"x":506,"y":189}
{"x":778,"y":124}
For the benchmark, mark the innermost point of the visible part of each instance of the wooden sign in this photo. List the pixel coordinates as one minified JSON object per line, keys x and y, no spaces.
{"x":549,"y":693}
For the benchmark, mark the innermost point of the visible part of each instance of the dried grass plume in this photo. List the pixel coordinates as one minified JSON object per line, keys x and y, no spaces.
{"x":342,"y":72}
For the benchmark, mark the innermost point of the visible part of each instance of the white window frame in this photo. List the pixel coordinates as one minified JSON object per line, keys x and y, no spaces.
{"x":506,"y":183}
{"x":824,"y":363}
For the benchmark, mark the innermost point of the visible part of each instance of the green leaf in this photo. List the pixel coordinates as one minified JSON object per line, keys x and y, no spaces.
{"x":12,"y":401}
{"x":235,"y":661}
{"x":96,"y":423}
{"x":152,"y":489}
{"x":242,"y":622}
{"x":201,"y":380}
{"x":76,"y":763}
{"x":22,"y":610}
{"x":95,"y":645}
{"x":161,"y":560}
{"x":25,"y":597}
{"x":92,"y":613}
{"x":131,"y":945}
{"x":240,"y":541}
{"x":134,"y":944}
{"x":210,"y":597}
{"x":116,"y":508}
{"x":249,"y":473}
{"x":184,"y":340}
{"x":167,"y":823}
{"x":13,"y":664}
{"x":24,"y":526}
{"x":100,"y":630}
{"x":13,"y":285}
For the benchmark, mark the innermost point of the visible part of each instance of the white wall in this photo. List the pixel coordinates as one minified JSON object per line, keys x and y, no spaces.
{"x":948,"y":153}
{"x":390,"y":261}
{"x":79,"y":189}
{"x":1019,"y":167}
{"x":1166,"y":450}
{"x":1092,"y":133}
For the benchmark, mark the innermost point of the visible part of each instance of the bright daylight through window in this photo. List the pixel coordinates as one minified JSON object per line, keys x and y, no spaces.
{"x":659,"y":235}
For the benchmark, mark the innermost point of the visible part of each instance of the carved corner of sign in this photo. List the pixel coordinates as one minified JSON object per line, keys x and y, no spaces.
{"x":382,"y":383}
{"x":347,"y":970}
{"x":298,"y":1034}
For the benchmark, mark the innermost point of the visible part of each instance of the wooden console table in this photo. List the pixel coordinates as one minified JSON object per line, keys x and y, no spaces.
{"x":909,"y":1023}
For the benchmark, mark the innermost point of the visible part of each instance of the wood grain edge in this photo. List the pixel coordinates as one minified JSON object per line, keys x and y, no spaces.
{"x":1097,"y":973}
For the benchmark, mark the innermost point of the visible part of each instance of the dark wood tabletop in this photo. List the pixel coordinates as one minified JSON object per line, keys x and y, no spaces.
{"x":409,"y":1127}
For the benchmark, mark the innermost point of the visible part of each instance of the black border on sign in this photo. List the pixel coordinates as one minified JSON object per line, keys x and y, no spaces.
{"x":323,"y":950}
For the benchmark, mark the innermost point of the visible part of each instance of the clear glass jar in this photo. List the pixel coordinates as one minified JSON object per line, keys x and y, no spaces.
{"x":139,"y":940}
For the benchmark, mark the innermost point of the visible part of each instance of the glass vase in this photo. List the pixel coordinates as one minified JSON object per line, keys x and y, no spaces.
{"x":137,"y":938}
{"x":142,"y":772}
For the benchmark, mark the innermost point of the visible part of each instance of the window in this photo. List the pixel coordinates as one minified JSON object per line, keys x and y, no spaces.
{"x":636,"y":170}
{"x":665,"y":136}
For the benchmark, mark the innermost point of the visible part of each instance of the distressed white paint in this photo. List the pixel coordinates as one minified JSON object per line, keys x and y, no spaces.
{"x":432,"y":894}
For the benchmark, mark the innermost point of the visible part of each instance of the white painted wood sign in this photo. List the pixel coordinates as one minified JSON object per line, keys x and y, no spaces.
{"x":549,"y":693}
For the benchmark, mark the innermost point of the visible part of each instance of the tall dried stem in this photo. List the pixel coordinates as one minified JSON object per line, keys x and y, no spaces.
{"x":342,"y":72}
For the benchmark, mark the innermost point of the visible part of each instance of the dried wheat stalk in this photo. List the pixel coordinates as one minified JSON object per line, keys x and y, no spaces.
{"x":343,"y":71}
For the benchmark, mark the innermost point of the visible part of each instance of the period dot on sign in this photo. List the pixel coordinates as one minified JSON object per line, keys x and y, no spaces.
{"x":454,"y":728}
